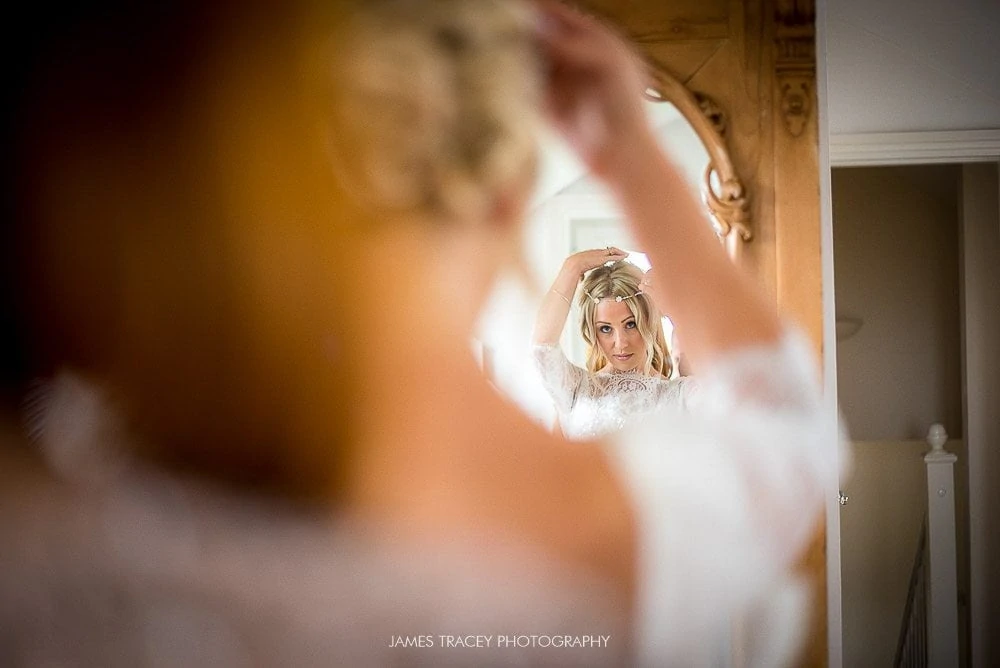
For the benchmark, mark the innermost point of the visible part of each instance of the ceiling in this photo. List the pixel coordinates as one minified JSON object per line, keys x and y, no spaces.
{"x":921,"y":65}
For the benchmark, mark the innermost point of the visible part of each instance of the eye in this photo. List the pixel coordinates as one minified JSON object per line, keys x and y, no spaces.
{"x":604,"y":329}
{"x":630,"y":324}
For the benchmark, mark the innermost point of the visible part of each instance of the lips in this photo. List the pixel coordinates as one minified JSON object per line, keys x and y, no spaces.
{"x":623,"y":358}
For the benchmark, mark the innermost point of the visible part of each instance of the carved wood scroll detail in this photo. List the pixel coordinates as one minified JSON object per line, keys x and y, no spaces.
{"x":722,"y":189}
{"x":713,"y":112}
{"x":795,"y":62}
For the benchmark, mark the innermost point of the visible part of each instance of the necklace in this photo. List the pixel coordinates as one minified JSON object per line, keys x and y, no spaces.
{"x":623,"y":372}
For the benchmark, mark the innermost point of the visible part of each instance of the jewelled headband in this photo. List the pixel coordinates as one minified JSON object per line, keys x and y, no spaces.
{"x":618,"y":298}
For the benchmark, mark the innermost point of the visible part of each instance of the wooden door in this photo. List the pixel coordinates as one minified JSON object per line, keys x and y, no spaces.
{"x":750,"y":67}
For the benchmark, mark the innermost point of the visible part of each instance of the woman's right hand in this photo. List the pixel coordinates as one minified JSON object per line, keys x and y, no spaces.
{"x":557,"y":301}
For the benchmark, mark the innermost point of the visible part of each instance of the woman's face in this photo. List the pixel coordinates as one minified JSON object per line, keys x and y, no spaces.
{"x":618,"y":335}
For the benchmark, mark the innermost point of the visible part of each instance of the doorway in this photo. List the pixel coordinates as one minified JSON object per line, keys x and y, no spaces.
{"x":916,"y":252}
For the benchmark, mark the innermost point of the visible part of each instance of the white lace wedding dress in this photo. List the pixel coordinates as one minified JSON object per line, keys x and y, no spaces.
{"x":125,"y":567}
{"x":593,"y":404}
{"x":718,"y":467}
{"x":729,"y":491}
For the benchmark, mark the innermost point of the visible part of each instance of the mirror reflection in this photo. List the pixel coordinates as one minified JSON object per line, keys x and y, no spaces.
{"x":571,"y":214}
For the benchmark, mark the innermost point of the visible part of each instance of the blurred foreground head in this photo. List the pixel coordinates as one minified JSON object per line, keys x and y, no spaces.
{"x":216,"y":211}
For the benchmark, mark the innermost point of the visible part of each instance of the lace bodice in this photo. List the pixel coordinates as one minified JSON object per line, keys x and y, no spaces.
{"x":591,"y":405}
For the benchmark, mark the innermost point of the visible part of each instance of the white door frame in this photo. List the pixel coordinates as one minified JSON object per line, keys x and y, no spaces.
{"x":914,"y":148}
{"x":834,"y":612}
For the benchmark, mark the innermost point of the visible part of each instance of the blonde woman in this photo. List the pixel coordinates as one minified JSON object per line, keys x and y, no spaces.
{"x":249,"y":246}
{"x":628,"y":368}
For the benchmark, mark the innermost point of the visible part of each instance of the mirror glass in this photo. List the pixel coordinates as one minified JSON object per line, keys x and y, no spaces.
{"x":570,"y":212}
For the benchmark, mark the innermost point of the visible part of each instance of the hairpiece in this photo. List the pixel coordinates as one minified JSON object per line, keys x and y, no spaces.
{"x":618,"y":298}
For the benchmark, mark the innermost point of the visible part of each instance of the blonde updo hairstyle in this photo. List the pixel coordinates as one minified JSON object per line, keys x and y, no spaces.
{"x":436,"y":106}
{"x":623,"y":279}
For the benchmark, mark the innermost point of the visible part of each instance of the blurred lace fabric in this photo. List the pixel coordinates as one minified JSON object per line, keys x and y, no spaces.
{"x":740,"y":479}
{"x":74,"y":426}
{"x":118,"y":563}
{"x":113,"y":563}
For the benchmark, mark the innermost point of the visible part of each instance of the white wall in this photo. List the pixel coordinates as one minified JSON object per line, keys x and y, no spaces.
{"x":559,"y":168}
{"x":880,"y":527}
{"x":912,"y":65}
{"x":896,"y":254}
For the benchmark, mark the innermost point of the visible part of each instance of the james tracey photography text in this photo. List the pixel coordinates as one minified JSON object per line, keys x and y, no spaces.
{"x":499,"y":641}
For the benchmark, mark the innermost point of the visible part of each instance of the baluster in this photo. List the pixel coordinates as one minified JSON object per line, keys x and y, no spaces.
{"x":942,"y":601}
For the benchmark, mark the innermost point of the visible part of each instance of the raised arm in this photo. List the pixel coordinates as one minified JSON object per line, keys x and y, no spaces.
{"x":595,"y":99}
{"x":556,"y":302}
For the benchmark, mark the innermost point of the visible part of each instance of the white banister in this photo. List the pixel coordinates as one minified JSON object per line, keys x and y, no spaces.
{"x":942,"y":594}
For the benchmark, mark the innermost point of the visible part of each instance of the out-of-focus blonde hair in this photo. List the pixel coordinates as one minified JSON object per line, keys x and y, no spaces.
{"x":623,"y":279}
{"x":177,"y":224}
{"x":436,"y":105}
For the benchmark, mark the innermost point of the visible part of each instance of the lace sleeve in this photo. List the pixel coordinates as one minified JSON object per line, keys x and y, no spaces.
{"x":681,"y":393}
{"x":727,"y":495}
{"x":561,"y":377}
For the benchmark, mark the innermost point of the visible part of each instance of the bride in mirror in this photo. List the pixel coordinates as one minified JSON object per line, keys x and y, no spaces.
{"x":312,"y":467}
{"x":571,"y":211}
{"x":629,"y":366}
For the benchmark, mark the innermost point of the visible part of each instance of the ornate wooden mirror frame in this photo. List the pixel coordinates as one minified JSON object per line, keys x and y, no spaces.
{"x":743,"y":72}
{"x":723,"y":191}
